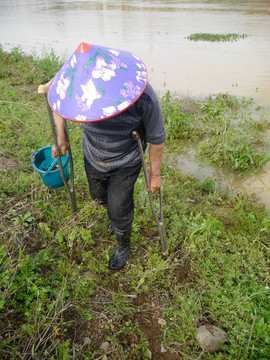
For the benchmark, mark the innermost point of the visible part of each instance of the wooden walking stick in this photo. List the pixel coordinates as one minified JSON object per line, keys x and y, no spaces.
{"x":43,"y":89}
{"x":160,"y":222}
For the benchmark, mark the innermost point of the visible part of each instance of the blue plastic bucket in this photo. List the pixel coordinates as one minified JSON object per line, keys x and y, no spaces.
{"x":42,"y":160}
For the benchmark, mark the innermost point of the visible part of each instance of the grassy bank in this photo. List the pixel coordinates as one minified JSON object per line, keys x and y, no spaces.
{"x":58,"y":298}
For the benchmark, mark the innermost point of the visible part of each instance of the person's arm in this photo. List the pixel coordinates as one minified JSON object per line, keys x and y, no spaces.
{"x":61,"y":136}
{"x":61,"y":133}
{"x":156,"y":155}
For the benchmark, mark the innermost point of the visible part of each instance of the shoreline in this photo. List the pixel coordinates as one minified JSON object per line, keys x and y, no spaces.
{"x":161,"y":88}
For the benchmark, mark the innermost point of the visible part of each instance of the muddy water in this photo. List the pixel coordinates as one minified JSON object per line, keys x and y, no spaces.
{"x":257,"y":184}
{"x":156,"y":31}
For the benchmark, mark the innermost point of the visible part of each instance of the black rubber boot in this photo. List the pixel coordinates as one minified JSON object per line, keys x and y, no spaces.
{"x":119,"y":258}
{"x":111,"y":228}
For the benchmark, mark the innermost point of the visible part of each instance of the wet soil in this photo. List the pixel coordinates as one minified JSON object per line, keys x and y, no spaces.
{"x":148,"y":314}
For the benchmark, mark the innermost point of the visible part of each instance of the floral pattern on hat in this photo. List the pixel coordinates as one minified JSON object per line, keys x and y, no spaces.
{"x":96,"y":83}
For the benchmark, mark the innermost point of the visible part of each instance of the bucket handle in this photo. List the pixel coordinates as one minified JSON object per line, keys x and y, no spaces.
{"x":50,"y":167}
{"x":33,"y":157}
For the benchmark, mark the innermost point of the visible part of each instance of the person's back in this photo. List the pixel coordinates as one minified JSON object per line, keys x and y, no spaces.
{"x":108,"y":144}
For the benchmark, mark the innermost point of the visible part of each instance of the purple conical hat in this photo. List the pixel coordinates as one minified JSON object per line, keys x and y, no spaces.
{"x":96,"y":83}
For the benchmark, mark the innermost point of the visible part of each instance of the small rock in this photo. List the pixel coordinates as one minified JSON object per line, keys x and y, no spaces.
{"x":210,"y":337}
{"x":87,"y":341}
{"x":105,"y":346}
{"x":162,"y":349}
{"x":148,"y":354}
{"x":162,"y":322}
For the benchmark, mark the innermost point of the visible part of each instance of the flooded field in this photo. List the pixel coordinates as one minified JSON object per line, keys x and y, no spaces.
{"x":157,"y":32}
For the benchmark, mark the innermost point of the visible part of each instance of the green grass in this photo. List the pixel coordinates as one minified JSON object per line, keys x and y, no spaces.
{"x":216,"y":37}
{"x":58,"y":298}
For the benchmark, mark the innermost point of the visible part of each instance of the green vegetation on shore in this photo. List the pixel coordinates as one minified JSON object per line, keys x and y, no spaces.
{"x":223,"y":130}
{"x":216,"y":37}
{"x":58,"y":300}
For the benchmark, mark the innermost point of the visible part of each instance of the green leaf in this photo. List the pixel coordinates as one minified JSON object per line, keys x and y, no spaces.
{"x":106,"y":57}
{"x":103,"y":92}
{"x":117,"y":102}
{"x":91,"y":60}
{"x":71,"y":88}
{"x":2,"y":303}
{"x":70,"y":71}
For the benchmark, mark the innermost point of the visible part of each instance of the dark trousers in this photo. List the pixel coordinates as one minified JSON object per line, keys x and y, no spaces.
{"x":114,"y":190}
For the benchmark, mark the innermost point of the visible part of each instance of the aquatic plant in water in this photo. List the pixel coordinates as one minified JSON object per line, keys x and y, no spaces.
{"x":216,"y":37}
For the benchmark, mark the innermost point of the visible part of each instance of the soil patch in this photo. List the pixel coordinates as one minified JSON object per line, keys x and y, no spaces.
{"x":147,"y":316}
{"x":183,"y":274}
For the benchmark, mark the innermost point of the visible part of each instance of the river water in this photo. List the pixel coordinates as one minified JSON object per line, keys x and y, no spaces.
{"x":156,"y":31}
